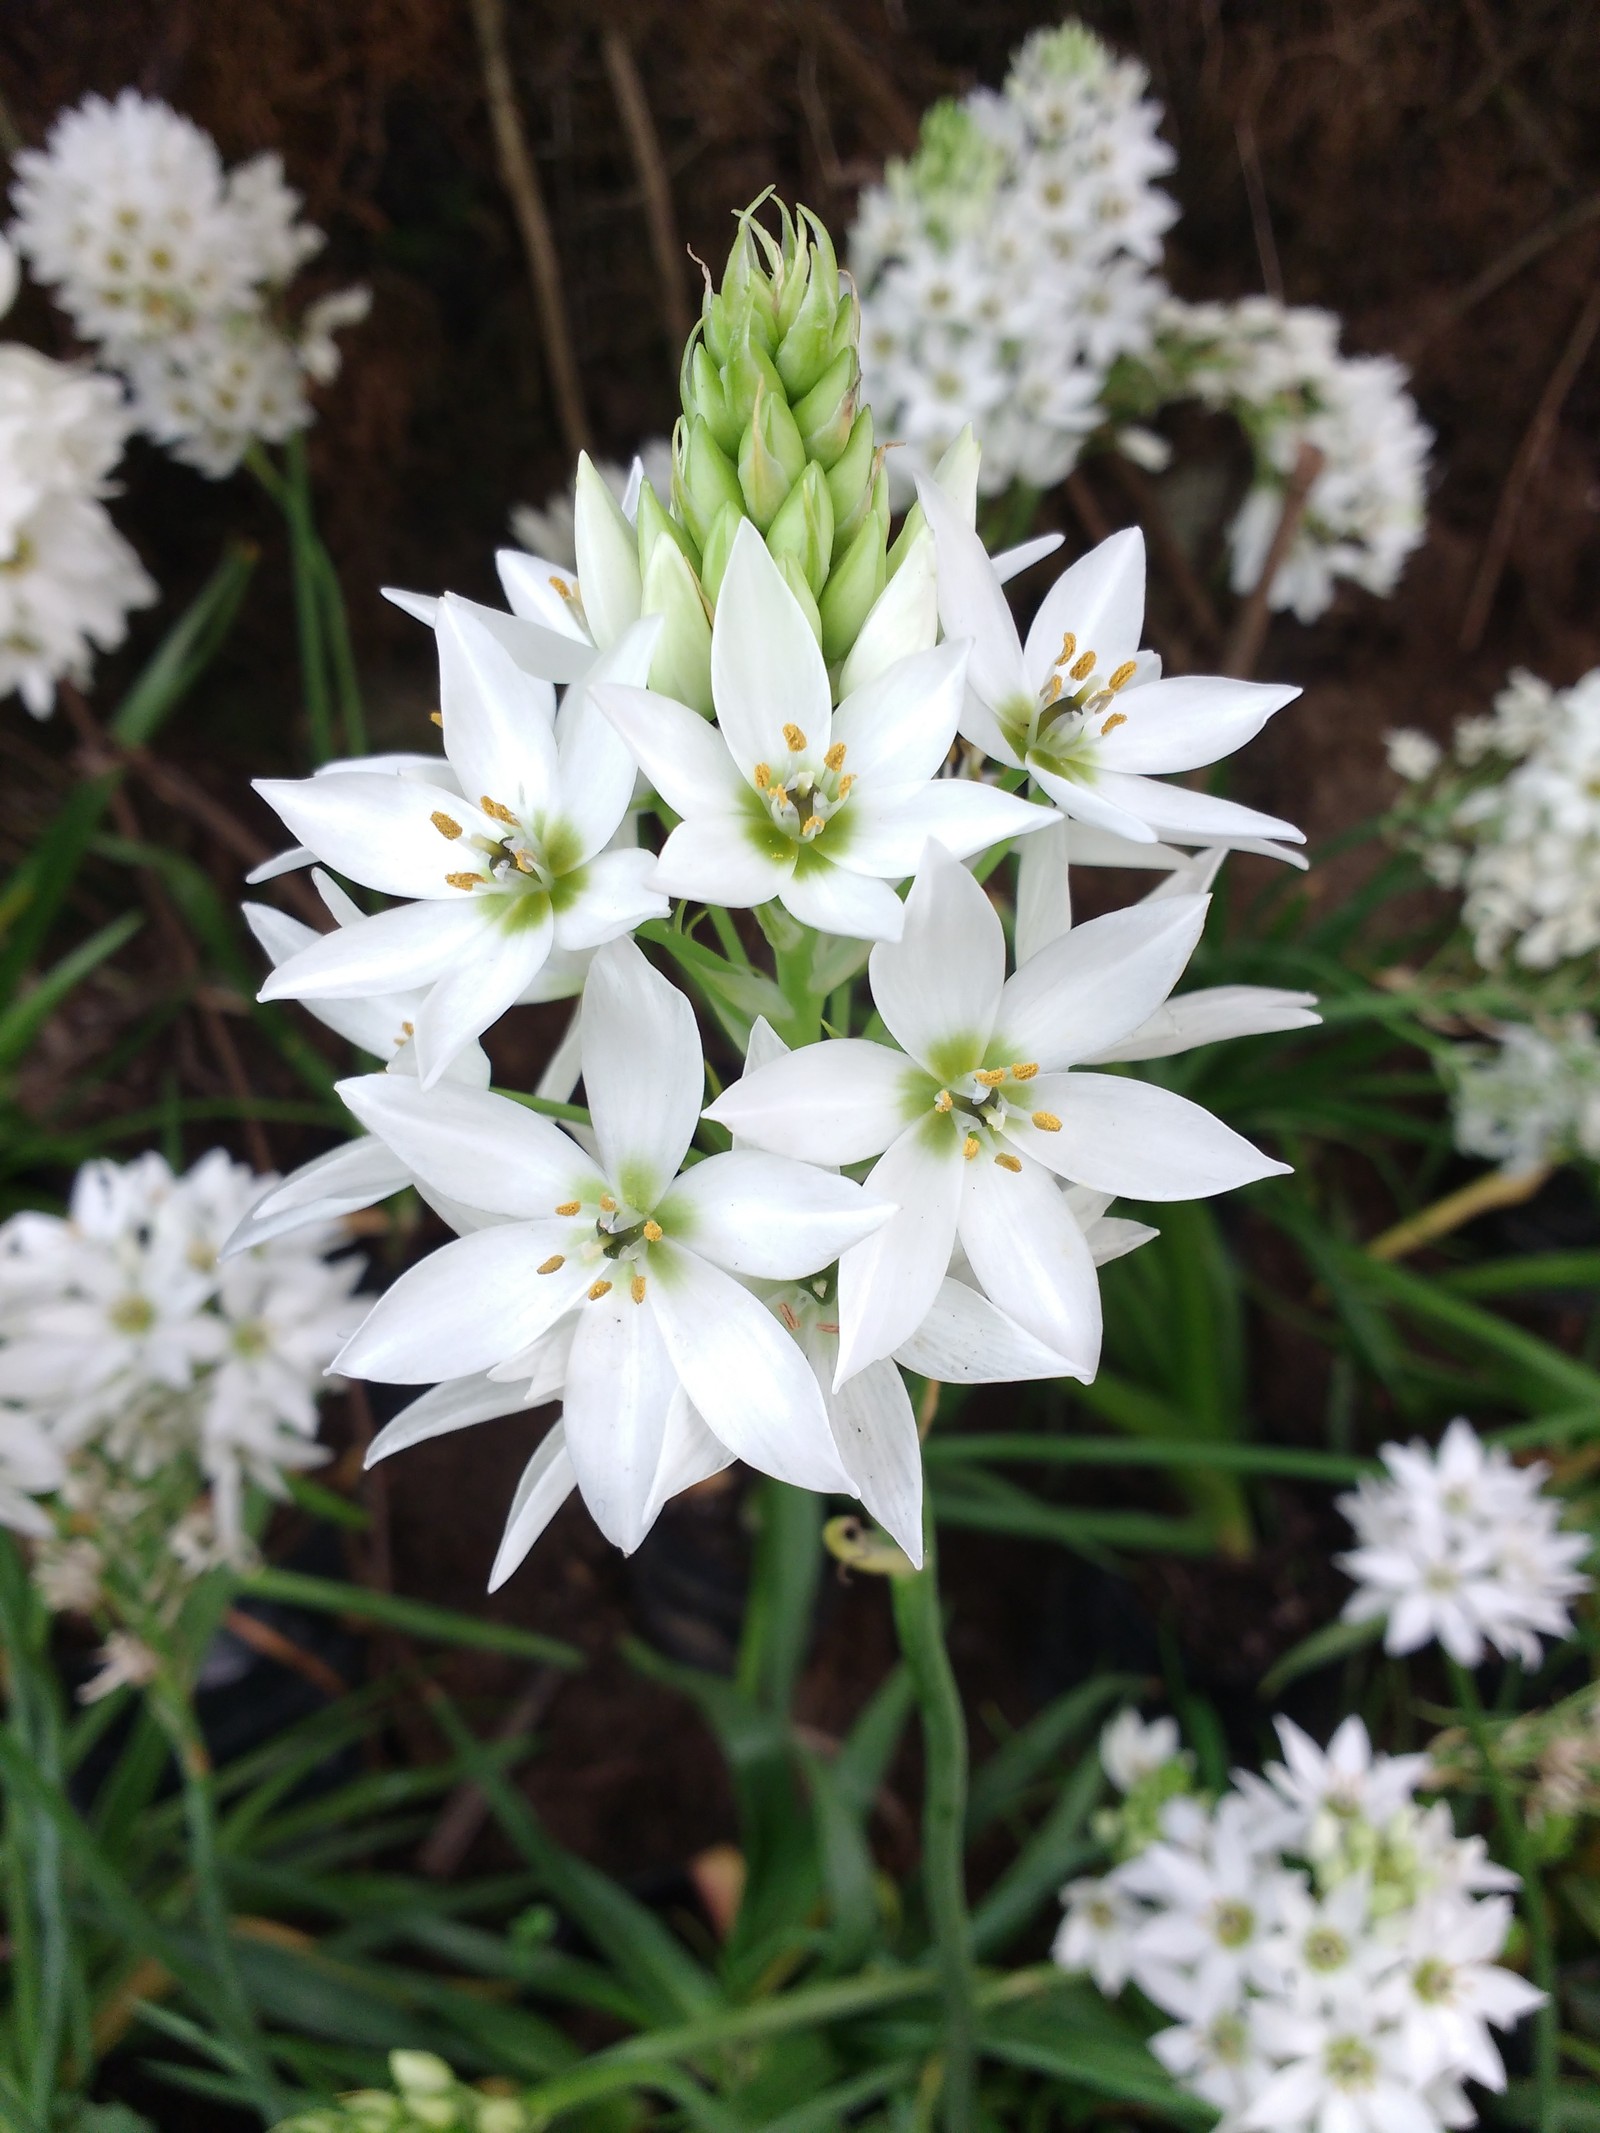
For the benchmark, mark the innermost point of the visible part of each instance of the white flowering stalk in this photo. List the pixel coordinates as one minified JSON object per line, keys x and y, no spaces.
{"x":67,"y":577}
{"x":1278,"y":371}
{"x":1530,"y":1098}
{"x":177,"y":270}
{"x":145,"y":1383}
{"x":1323,"y":1945}
{"x":1008,"y":263}
{"x":1460,"y":1547}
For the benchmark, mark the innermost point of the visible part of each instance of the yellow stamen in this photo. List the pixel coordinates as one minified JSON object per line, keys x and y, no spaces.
{"x":497,"y":808}
{"x":793,"y":737}
{"x":567,"y":592}
{"x":1008,"y":1162}
{"x":445,"y":824}
{"x":1081,"y":669}
{"x":556,"y":1259}
{"x":789,"y":1318}
{"x":969,"y":1147}
{"x":1069,"y":645}
{"x":1117,"y":718}
{"x":845,"y":784}
{"x":652,"y":1233}
{"x":1024,"y":1069}
{"x":524,"y":863}
{"x":1121,"y":676}
{"x":834,"y":759}
{"x":763,"y":775}
{"x":1051,"y":690}
{"x":943,"y":1100}
{"x":599,"y":1289}
{"x":569,"y":1207}
{"x":1047,"y":1122}
{"x":813,"y":826}
{"x":991,"y":1077}
{"x":608,"y":1206}
{"x":636,"y":1288}
{"x":827,"y":1325}
{"x":410,"y":1028}
{"x":437,"y":717}
{"x":465,"y":881}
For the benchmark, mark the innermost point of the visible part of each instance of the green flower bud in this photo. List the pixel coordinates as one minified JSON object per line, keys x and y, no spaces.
{"x":850,"y":481}
{"x":803,"y":527}
{"x":703,"y":395}
{"x":653,"y":524}
{"x":420,"y":2073}
{"x":747,"y":373}
{"x":771,"y":457}
{"x":795,"y":578}
{"x":703,"y":480}
{"x":827,"y":414}
{"x":681,"y":666}
{"x":808,"y":344}
{"x":853,"y":586}
{"x":718,"y":547}
{"x":436,"y":2113}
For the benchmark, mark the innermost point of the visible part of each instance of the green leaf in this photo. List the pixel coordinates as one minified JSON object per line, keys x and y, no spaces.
{"x":1054,"y":1851}
{"x":1014,"y":1766}
{"x":416,"y":1618}
{"x":1335,"y":1640}
{"x":22,"y":1018}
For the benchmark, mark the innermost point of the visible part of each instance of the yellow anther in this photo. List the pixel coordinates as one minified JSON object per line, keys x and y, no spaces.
{"x":497,"y":808}
{"x":598,"y":1289}
{"x":793,"y":737}
{"x":636,"y":1288}
{"x":1047,"y":1122}
{"x":445,"y":824}
{"x":969,"y":1147}
{"x":410,"y":1028}
{"x":1081,"y":669}
{"x":556,"y":1259}
{"x":834,"y":759}
{"x":813,"y":826}
{"x":991,"y":1077}
{"x":1117,"y":718}
{"x":943,"y":1100}
{"x":845,"y":784}
{"x":1024,"y":1069}
{"x":608,"y":1206}
{"x":763,"y":776}
{"x":569,"y":1207}
{"x":437,"y":717}
{"x":524,"y":864}
{"x":567,"y":592}
{"x":652,"y":1233}
{"x":1050,"y":691}
{"x":1069,"y":645}
{"x":465,"y":881}
{"x":1120,"y":677}
{"x":1008,"y":1162}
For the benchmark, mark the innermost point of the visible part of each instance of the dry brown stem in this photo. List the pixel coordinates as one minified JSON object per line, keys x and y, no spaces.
{"x":1250,"y":624}
{"x":633,"y":108}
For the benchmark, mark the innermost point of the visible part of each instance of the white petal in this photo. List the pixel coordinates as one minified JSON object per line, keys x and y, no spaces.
{"x":1044,"y":890}
{"x":466,"y":1307}
{"x":547,"y":1481}
{"x":1093,"y":985}
{"x":357,"y":1175}
{"x":938,"y":987}
{"x":471,"y":998}
{"x":565,"y":1064}
{"x":642,"y":1072}
{"x":298,"y":855}
{"x":1139,"y":1141}
{"x":421,"y":607}
{"x":887,"y":1285}
{"x":1188,"y":720}
{"x":888,"y":827}
{"x":853,"y":907}
{"x":1012,"y":562}
{"x":835,"y":1102}
{"x":492,"y":1153}
{"x":750,"y":1383}
{"x":498,"y":720}
{"x":967,"y":1340}
{"x":689,"y":1453}
{"x":899,"y":727}
{"x":972,"y":603}
{"x":1031,"y":1258}
{"x":767,"y":669}
{"x":397,"y":950}
{"x":608,"y":557}
{"x":1089,"y":805}
{"x":875,"y":1431}
{"x":459,"y":1404}
{"x":1100,"y":598}
{"x":547,"y":647}
{"x":1210,"y":1015}
{"x":766,"y":1216}
{"x":1176,"y":812}
{"x":279,"y":935}
{"x":903,"y":619}
{"x":379,"y":829}
{"x":597,"y":775}
{"x":684,"y":757}
{"x":619,"y":1385}
{"x":717,"y":859}
{"x":557,"y":641}
{"x":614,"y":896}
{"x":1090,"y":847}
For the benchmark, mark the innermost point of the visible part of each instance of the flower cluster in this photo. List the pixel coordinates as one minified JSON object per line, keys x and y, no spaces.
{"x":426,"y":2098}
{"x":1530,"y":1099}
{"x":1277,"y":370}
{"x":1009,"y":261}
{"x":1323,"y":1944}
{"x":176,"y":268}
{"x":67,"y":577}
{"x":1511,"y":818}
{"x":1460,"y":1546}
{"x":145,"y":1380}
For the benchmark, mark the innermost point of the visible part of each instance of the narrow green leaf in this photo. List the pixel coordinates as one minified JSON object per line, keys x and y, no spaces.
{"x":416,"y":1618}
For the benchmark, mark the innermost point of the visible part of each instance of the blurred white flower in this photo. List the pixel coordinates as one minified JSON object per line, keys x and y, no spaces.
{"x":1132,"y":1748}
{"x":1530,"y":1099}
{"x":1412,"y":755}
{"x":548,"y":531}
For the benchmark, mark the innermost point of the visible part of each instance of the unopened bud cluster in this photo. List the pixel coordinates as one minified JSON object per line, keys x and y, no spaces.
{"x":426,"y":2098}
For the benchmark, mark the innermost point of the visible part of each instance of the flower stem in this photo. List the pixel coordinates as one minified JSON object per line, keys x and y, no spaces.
{"x":295,"y":497}
{"x":920,"y":1628}
{"x":1514,"y":1831}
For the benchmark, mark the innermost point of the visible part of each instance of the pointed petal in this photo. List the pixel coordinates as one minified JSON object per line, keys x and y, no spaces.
{"x":1100,"y":599}
{"x":887,"y":1285}
{"x":967,"y":1340}
{"x":1012,"y":562}
{"x":481,"y":1148}
{"x":1188,"y":720}
{"x":897,"y":730}
{"x":547,"y":1481}
{"x":596,"y":779}
{"x":1031,"y":1258}
{"x":766,"y":1216}
{"x":721,"y":859}
{"x":395,"y":951}
{"x":835,"y":1102}
{"x":472,"y":997}
{"x":297,"y":856}
{"x":379,"y":829}
{"x":1210,"y":1015}
{"x":833,"y":899}
{"x":752,"y":1386}
{"x":617,"y":894}
{"x":904,"y":619}
{"x":1098,"y":982}
{"x":875,"y":1432}
{"x":972,"y":603}
{"x":1044,"y":890}
{"x":1174,"y":811}
{"x":498,"y":720}
{"x":938,"y":987}
{"x":1090,"y":805}
{"x":619,"y":1384}
{"x":421,"y":607}
{"x":565,"y":1064}
{"x":767,"y":669}
{"x":684,"y":757}
{"x":642,"y":1072}
{"x":357,"y":1175}
{"x":1138,"y":1141}
{"x":465,"y":1307}
{"x":558,"y":643}
{"x":890,"y":826}
{"x":458,"y":1404}
{"x":608,"y":556}
{"x":689,"y":1453}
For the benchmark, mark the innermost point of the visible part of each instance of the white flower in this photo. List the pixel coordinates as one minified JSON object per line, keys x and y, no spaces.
{"x":1323,"y":1955}
{"x":503,"y":848}
{"x":787,"y":797}
{"x":30,"y":1466}
{"x":1216,"y":1908}
{"x":1461,"y":1546}
{"x":1096,"y":1934}
{"x":1413,"y":755}
{"x":972,"y":1114}
{"x":1081,"y":708}
{"x":675,"y":1367}
{"x":1216,"y":2051}
{"x":1532,"y":1101}
{"x":1132,"y":1748}
{"x":1447,"y":1991}
{"x":1337,"y":2073}
{"x":1328,"y":1789}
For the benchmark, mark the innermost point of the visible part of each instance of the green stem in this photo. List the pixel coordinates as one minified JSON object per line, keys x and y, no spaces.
{"x":920,"y":1627}
{"x":1541,"y":1942}
{"x":293,"y":494}
{"x":346,"y":679}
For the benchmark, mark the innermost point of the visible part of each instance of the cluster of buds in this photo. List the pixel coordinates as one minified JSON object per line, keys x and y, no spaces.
{"x":426,"y":2098}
